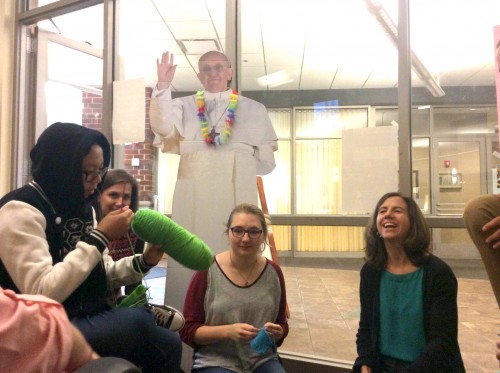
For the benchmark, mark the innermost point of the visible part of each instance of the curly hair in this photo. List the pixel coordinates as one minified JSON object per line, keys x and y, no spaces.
{"x":416,"y":245}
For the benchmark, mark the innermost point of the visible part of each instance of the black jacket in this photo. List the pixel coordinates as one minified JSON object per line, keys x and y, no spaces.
{"x":58,"y":193}
{"x":442,"y":353}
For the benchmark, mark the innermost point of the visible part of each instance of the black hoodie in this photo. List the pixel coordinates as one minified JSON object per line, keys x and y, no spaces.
{"x":58,"y":192}
{"x":57,"y":164}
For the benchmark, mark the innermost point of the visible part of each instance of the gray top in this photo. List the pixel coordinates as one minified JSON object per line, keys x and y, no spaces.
{"x":227,"y":303}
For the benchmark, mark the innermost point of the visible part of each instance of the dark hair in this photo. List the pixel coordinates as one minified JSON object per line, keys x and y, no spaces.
{"x":247,"y":208}
{"x":117,"y":176}
{"x":416,"y":245}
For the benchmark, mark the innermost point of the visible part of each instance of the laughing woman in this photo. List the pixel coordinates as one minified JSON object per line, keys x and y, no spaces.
{"x":408,"y":296}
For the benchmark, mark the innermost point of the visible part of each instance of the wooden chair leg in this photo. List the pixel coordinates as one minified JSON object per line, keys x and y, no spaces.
{"x":272,"y":244}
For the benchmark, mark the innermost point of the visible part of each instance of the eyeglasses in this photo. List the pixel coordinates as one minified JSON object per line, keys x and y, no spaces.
{"x":240,"y":232}
{"x":207,"y":69}
{"x":93,"y":175}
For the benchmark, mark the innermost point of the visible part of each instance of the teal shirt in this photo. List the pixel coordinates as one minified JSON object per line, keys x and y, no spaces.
{"x":402,"y":315}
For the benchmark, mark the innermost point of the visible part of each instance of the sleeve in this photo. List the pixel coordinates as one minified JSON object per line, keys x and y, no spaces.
{"x":194,"y":309}
{"x":264,"y":152}
{"x":35,"y":334}
{"x":363,"y":337}
{"x":166,"y":117}
{"x":26,"y":257}
{"x":281,"y":319}
{"x":442,"y":321}
{"x":125,"y":271}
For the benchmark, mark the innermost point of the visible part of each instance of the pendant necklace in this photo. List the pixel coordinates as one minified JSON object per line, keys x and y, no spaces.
{"x":237,"y":270}
{"x":211,"y":137}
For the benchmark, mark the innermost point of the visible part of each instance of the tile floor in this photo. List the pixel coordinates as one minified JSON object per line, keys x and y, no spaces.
{"x":324,"y":309}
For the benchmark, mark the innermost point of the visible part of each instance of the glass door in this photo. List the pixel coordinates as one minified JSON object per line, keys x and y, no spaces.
{"x":458,"y":175}
{"x":493,"y":165}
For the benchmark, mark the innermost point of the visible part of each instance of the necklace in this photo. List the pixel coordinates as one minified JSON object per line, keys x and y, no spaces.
{"x":211,"y":137}
{"x":241,"y":274}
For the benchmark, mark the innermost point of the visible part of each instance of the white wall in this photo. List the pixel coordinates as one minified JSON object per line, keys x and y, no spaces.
{"x":6,"y":91}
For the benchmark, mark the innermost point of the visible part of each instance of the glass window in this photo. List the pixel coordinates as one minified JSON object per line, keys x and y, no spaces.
{"x":39,"y":3}
{"x":458,"y":121}
{"x":320,"y":68}
{"x":68,"y":76}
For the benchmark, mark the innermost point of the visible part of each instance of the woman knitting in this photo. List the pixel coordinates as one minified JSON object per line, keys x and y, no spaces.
{"x":241,"y":294}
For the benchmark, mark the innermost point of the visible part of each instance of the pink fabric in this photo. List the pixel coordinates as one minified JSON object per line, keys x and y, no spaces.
{"x":35,"y":334}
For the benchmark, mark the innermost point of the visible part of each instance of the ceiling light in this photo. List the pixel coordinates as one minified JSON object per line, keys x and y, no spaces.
{"x":418,"y":67}
{"x":198,"y":46}
{"x":275,"y":79}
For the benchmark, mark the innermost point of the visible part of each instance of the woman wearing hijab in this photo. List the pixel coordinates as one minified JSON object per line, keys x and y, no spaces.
{"x":51,"y":245}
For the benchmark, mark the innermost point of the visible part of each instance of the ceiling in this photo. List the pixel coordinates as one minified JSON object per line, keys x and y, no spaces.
{"x":314,"y":44}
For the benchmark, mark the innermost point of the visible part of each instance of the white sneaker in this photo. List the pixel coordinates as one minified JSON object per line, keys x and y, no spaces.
{"x":167,"y":317}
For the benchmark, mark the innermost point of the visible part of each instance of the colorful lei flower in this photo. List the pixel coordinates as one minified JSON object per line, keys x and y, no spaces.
{"x":209,"y":137}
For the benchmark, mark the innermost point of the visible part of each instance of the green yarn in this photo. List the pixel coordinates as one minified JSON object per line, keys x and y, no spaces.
{"x":188,"y":249}
{"x":135,"y":298}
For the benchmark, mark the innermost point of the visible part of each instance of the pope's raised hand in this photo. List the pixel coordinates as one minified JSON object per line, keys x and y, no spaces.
{"x":165,"y":69}
{"x":116,"y":224}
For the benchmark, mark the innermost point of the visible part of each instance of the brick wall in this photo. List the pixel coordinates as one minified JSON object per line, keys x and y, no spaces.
{"x":92,"y":111}
{"x":144,"y":151}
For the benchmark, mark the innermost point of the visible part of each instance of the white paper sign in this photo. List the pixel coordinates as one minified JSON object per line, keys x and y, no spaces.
{"x":129,"y":111}
{"x":370,"y":167}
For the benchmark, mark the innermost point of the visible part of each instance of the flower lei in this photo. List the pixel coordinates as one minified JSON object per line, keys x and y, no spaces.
{"x":210,"y":136}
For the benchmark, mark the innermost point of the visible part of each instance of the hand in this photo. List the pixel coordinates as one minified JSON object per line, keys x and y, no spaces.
{"x":81,"y":352}
{"x":165,"y":70}
{"x":493,"y":239}
{"x":275,"y":330}
{"x":366,"y":369}
{"x":242,"y":332}
{"x":116,"y":224}
{"x":153,"y":254}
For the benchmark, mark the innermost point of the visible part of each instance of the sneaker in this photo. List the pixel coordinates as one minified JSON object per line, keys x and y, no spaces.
{"x":167,"y":317}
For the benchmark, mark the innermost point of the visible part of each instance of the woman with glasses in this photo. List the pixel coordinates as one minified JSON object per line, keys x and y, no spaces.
{"x":240,"y":295}
{"x":52,"y":245}
{"x":224,"y":141}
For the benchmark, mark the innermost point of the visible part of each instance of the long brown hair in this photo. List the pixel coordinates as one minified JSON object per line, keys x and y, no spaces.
{"x":416,"y":245}
{"x":117,"y":176}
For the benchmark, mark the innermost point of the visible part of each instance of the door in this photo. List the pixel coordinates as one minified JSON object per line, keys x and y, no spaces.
{"x":459,"y":173}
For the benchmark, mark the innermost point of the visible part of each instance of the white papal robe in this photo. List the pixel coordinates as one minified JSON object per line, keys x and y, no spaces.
{"x":212,"y":179}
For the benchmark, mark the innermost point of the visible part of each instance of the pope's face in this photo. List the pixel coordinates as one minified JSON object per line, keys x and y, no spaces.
{"x":214,"y":73}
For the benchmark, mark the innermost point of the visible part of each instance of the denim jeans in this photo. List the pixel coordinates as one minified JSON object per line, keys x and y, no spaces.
{"x":271,"y":366}
{"x":132,"y":334}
